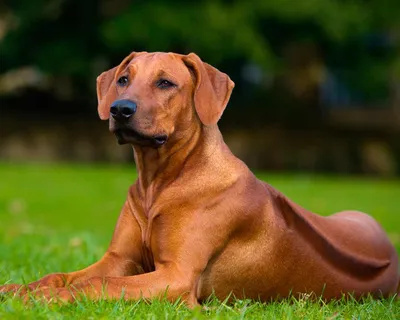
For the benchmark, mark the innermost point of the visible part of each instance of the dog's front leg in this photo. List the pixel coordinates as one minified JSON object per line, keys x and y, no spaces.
{"x":122,"y":258}
{"x":166,"y":282}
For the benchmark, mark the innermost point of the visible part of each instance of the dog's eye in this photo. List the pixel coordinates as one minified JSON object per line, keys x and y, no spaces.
{"x":163,"y":84}
{"x":123,"y":81}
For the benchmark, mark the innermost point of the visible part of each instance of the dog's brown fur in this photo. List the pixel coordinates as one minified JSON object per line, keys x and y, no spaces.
{"x":197,"y":221}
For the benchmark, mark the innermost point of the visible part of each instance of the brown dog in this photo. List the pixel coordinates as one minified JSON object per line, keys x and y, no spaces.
{"x":197,"y":221}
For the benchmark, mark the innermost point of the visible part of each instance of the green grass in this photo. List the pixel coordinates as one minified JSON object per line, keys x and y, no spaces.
{"x":61,"y":217}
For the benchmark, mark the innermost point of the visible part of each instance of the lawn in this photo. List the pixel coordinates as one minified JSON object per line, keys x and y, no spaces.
{"x":61,"y":217}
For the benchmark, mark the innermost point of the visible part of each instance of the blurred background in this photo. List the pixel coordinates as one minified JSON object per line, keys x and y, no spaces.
{"x":317,"y":81}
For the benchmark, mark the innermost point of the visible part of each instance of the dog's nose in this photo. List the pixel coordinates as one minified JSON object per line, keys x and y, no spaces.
{"x":122,"y":109}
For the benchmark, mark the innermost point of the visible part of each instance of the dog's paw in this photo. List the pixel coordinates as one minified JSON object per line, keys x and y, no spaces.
{"x":9,"y":288}
{"x":17,"y":291}
{"x":9,"y":291}
{"x":50,"y":295}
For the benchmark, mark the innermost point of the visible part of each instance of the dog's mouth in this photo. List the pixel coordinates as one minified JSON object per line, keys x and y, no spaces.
{"x":125,"y":136}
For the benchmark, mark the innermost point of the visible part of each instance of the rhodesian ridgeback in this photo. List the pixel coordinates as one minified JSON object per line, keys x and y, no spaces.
{"x":197,"y":221}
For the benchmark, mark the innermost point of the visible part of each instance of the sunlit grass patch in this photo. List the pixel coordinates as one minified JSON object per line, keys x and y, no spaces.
{"x":60,"y":218}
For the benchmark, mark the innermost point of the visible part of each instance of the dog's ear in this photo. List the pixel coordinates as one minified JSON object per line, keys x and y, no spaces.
{"x":106,"y":92}
{"x":212,"y":91}
{"x":106,"y":88}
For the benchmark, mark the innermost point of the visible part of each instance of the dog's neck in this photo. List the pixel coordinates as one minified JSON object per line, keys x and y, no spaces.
{"x":165,"y":164}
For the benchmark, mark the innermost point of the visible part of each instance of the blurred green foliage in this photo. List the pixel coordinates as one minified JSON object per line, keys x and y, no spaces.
{"x":79,"y":39}
{"x":47,"y":32}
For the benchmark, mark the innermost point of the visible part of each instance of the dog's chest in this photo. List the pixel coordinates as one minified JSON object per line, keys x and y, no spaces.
{"x":145,"y":222}
{"x":147,"y":259}
{"x":147,"y":254}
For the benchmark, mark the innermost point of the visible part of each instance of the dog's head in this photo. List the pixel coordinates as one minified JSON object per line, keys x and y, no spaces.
{"x":152,"y":97}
